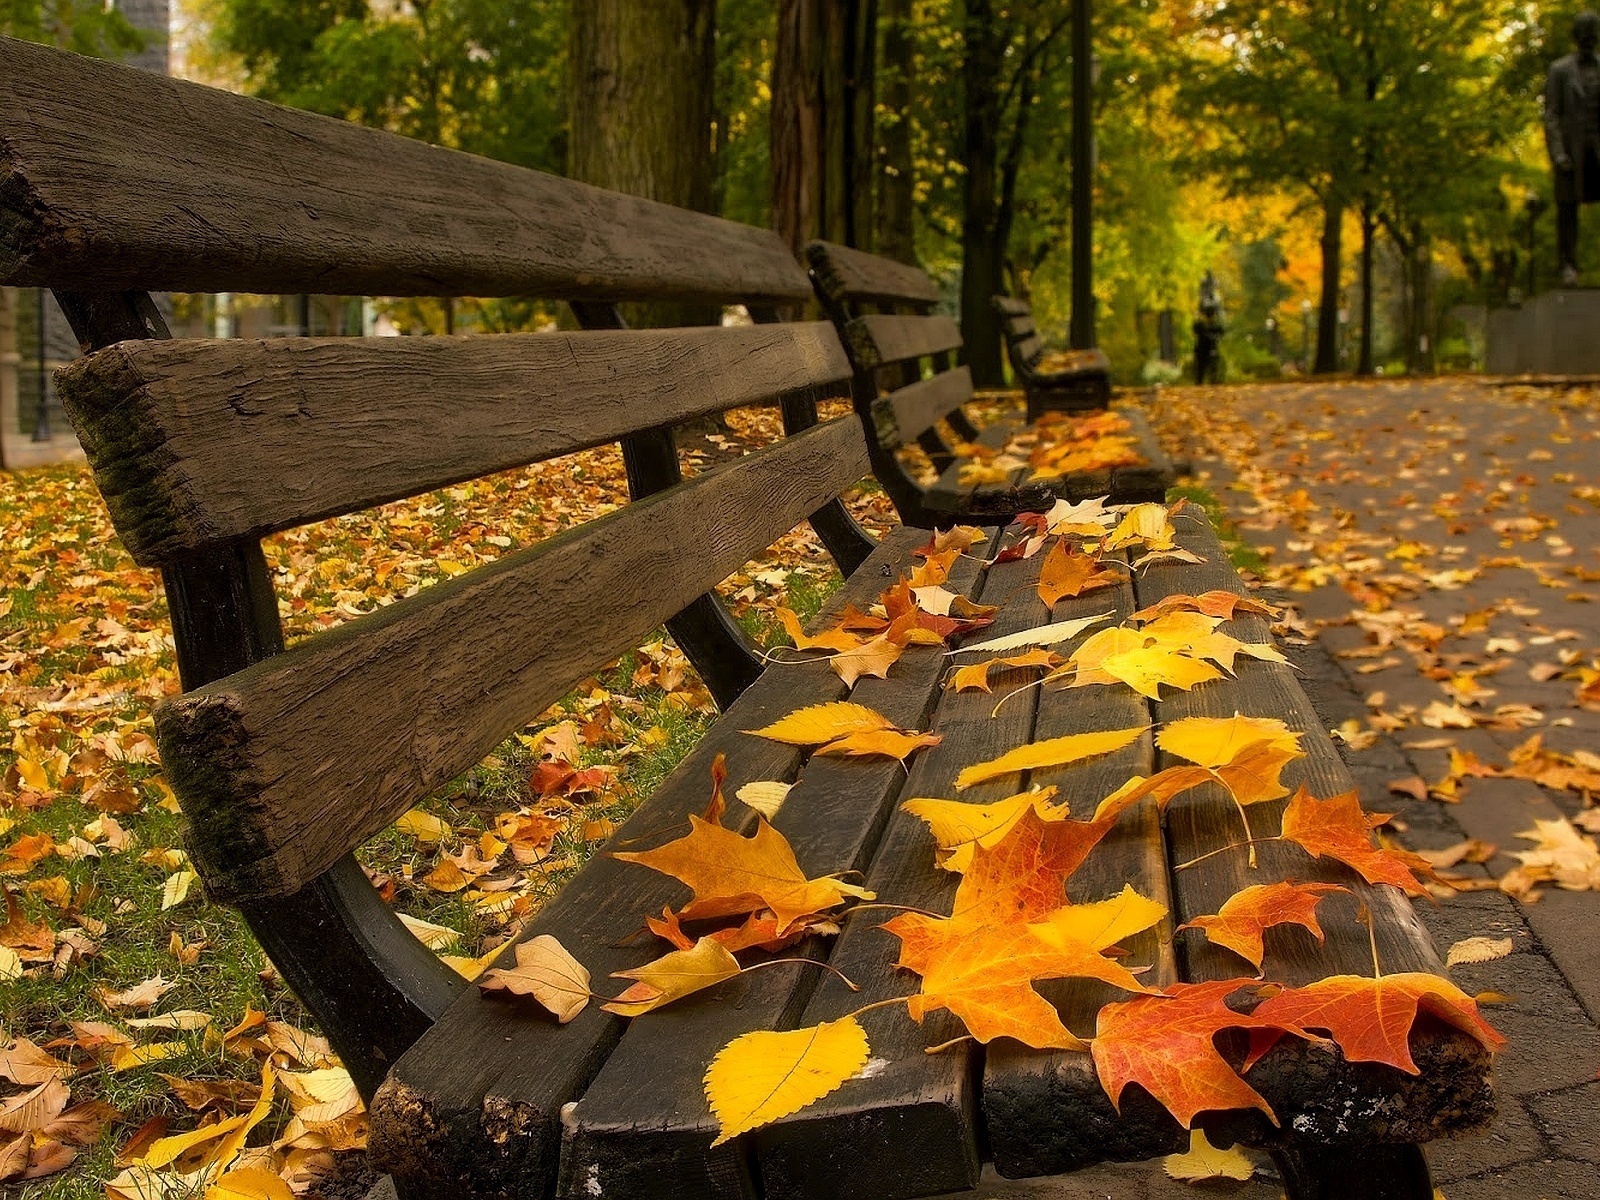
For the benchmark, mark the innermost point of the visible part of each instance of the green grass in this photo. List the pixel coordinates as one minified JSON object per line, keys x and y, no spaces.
{"x":1245,"y":557}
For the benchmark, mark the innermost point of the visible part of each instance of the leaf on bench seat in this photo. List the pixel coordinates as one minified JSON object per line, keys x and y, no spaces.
{"x":1240,"y":923}
{"x":1052,"y":752}
{"x":545,"y":971}
{"x":1338,"y":828}
{"x":673,"y":976}
{"x":761,"y":1076}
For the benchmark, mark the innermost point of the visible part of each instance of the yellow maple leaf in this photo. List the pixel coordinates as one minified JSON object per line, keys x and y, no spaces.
{"x":1204,"y":1161}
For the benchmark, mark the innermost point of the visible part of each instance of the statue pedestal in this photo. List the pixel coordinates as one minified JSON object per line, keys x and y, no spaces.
{"x":1557,"y":333}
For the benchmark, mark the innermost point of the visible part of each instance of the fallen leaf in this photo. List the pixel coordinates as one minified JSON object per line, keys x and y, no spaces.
{"x":1043,"y":635}
{"x":762,"y":1076}
{"x":1204,"y":1161}
{"x":1247,"y":914}
{"x":1052,"y":752}
{"x":765,"y":796}
{"x":1068,"y":572}
{"x":1338,"y":828}
{"x":886,"y":743}
{"x":819,"y":723}
{"x":1477,"y":950}
{"x":139,"y":996}
{"x":673,"y":976}
{"x":546,"y":972}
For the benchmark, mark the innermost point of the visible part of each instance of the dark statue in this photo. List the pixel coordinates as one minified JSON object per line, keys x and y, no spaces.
{"x":1572,"y":132}
{"x":1208,"y":330}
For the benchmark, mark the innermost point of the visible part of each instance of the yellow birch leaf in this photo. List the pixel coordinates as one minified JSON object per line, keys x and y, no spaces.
{"x":423,"y":826}
{"x":545,"y":971}
{"x":1053,"y":752}
{"x":127,"y":1058}
{"x":819,"y":723}
{"x":766,"y":796}
{"x":761,"y":1076}
{"x":673,"y":976}
{"x":1205,"y":1161}
{"x":176,"y":888}
{"x":250,"y":1183}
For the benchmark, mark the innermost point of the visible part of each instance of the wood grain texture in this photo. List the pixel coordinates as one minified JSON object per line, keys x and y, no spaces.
{"x":846,"y":276}
{"x":1046,"y":1113}
{"x":900,"y":415}
{"x":643,"y":1126}
{"x":112,"y":178}
{"x":284,"y":767}
{"x":1318,"y":1096}
{"x":879,"y":339}
{"x":445,"y":1119}
{"x":199,"y":442}
{"x":922,"y":1105}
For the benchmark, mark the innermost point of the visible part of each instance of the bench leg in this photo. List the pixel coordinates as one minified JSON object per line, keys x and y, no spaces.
{"x":1341,"y":1173}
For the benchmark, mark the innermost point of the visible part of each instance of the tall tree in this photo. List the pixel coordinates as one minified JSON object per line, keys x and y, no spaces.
{"x":895,"y":230}
{"x":823,"y":150}
{"x":90,"y":27}
{"x":640,"y":106}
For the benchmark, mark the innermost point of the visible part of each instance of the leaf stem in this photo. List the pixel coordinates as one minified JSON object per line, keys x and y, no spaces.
{"x":1224,"y":849}
{"x":866,"y":1008}
{"x":806,"y":962}
{"x":1249,"y":837}
{"x":921,"y":912}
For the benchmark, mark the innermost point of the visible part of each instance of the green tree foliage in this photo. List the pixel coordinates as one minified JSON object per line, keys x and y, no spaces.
{"x":83,"y":26}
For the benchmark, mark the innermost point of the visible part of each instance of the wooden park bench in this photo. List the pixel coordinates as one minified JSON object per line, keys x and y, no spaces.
{"x":113,"y":182}
{"x":884,"y":311}
{"x":1065,"y":381}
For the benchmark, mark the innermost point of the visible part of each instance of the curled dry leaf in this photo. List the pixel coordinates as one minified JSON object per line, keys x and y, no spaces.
{"x":762,"y":1076}
{"x":1339,"y":829}
{"x":883,"y":743}
{"x":1052,"y":752}
{"x":139,"y":996}
{"x":1478,"y":950}
{"x":673,"y":976}
{"x":546,"y":972}
{"x":819,"y":723}
{"x":1044,"y":635}
{"x":766,"y":796}
{"x":1247,"y":914}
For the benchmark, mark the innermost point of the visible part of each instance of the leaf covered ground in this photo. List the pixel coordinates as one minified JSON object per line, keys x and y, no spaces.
{"x":134,"y":1010}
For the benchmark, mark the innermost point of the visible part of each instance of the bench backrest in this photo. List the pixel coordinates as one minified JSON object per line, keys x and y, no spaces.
{"x":884,"y":310}
{"x":113,"y":181}
{"x":1023,"y":343}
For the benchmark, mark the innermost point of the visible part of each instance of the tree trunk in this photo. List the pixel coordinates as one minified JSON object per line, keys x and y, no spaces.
{"x":1328,"y":313}
{"x":10,"y":361}
{"x":642,"y":91}
{"x":1419,"y":309}
{"x":822,"y":121}
{"x":896,"y":233}
{"x":1365,"y":365}
{"x":982,"y":263}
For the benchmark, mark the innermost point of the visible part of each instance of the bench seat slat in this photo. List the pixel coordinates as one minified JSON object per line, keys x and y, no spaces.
{"x":1018,"y":328}
{"x":1452,"y":1093}
{"x":879,"y":339}
{"x":846,"y":276}
{"x":643,"y":1126}
{"x":1046,"y":1113}
{"x":97,"y":157}
{"x":1013,"y":307}
{"x":475,"y":1107}
{"x":286,"y":766}
{"x":922,"y":1102}
{"x":198,"y":442}
{"x":906,"y":412}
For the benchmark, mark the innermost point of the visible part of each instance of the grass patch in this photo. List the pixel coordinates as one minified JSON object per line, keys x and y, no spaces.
{"x":1242,"y":554}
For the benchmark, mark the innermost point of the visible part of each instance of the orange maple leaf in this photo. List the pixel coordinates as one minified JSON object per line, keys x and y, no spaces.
{"x":1240,"y":922}
{"x":976,"y":677}
{"x":1338,"y":828}
{"x":835,"y":639}
{"x":1166,"y":1044}
{"x":1010,"y":926}
{"x":1069,"y":572}
{"x":1371,"y":1019}
{"x":1213,"y":604}
{"x":732,"y":874}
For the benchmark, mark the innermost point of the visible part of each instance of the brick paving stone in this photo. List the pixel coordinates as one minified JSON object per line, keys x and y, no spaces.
{"x":1564,"y":922}
{"x":1543,"y":1179}
{"x":1515,"y":1138}
{"x":1567,"y":1120}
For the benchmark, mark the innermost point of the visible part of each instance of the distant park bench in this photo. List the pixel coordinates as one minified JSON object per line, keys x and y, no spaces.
{"x":884,"y":311}
{"x":113,"y":182}
{"x":1070,"y":380}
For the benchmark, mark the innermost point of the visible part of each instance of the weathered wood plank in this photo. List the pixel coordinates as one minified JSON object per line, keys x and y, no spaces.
{"x":899,"y":416}
{"x":1046,"y":1113}
{"x":846,"y":276}
{"x":116,"y":179}
{"x":440,"y":1121}
{"x":643,"y":1126}
{"x":1018,"y":328}
{"x":289,"y":764}
{"x":1029,"y":348}
{"x":879,"y":339}
{"x":200,"y":442}
{"x":1328,"y":1099}
{"x":922,"y":1106}
{"x":1012,"y":307}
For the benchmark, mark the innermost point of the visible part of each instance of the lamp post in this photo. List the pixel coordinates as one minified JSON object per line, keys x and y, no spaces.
{"x":1081,"y":330}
